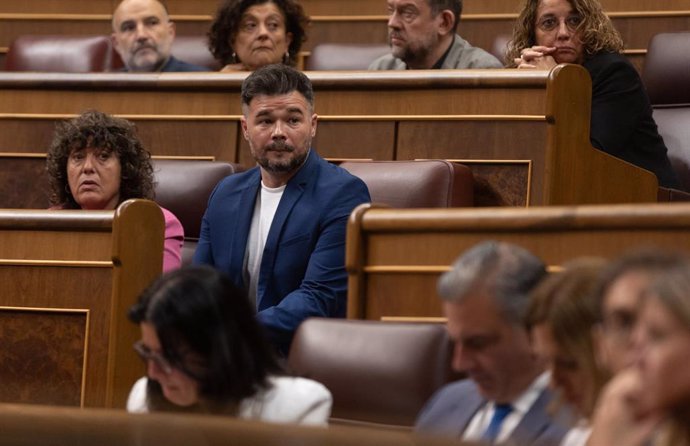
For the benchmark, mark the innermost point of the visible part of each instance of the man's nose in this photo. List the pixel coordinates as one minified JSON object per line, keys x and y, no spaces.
{"x":462,"y":358}
{"x":278,"y":130}
{"x":394,"y":20}
{"x":142,"y":32}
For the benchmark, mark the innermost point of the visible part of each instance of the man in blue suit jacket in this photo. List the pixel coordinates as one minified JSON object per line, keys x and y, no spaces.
{"x":279,"y":229}
{"x":506,"y":396}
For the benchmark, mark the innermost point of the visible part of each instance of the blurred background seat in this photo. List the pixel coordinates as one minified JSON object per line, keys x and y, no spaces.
{"x":379,"y":373}
{"x":666,"y":75}
{"x":415,"y":184}
{"x":60,"y":53}
{"x":344,"y":56}
{"x":183,"y":187}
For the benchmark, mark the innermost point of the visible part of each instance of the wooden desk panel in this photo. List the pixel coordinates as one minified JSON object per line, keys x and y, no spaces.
{"x":74,"y":273}
{"x":536,"y":123}
{"x":394,"y":257}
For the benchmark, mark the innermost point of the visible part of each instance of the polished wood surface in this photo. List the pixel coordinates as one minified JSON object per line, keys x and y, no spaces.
{"x":40,"y":426}
{"x":394,"y":257}
{"x":533,"y":124}
{"x":69,"y":277}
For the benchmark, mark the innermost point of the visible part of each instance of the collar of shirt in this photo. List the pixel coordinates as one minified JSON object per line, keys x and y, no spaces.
{"x":521,"y":405}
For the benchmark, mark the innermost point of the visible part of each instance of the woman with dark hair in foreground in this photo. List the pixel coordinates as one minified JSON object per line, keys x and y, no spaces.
{"x":206,"y":353}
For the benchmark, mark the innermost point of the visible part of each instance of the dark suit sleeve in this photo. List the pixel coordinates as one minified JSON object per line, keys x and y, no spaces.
{"x":323,"y":291}
{"x":618,"y":99}
{"x":203,"y":255}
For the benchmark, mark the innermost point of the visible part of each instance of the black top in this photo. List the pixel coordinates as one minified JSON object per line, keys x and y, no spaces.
{"x":622,"y":123}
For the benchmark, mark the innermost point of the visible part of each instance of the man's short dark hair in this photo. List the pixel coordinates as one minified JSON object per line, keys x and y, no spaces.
{"x":276,"y":80}
{"x":454,"y":5}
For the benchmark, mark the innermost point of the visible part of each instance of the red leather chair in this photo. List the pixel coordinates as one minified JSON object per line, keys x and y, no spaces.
{"x":59,"y":53}
{"x":666,"y":75}
{"x":379,"y":373}
{"x":415,"y":184}
{"x":183,"y":187}
{"x":342,"y":56}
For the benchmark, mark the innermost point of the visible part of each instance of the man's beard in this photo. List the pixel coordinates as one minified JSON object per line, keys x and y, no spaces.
{"x":281,"y":166}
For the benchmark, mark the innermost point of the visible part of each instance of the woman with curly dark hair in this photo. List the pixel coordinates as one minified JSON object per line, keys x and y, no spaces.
{"x":95,"y":162}
{"x":248,"y":34}
{"x":550,"y":32}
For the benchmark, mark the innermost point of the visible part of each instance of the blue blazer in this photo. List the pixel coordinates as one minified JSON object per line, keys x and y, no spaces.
{"x":451,"y":409}
{"x":303,"y":265}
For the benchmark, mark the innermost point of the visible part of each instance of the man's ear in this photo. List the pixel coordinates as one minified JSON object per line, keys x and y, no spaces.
{"x":243,"y":123}
{"x":172,"y":29}
{"x":446,"y":22}
{"x":314,"y":122}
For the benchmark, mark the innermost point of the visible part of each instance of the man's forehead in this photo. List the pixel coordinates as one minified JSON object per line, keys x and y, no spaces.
{"x":419,"y":4}
{"x":129,"y":9}
{"x":292,"y":100}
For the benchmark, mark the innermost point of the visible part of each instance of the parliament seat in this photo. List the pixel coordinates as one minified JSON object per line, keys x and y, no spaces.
{"x":380,"y":373}
{"x":183,"y":187}
{"x":666,"y":75}
{"x":194,"y":50}
{"x":345,"y":56}
{"x":415,"y":184}
{"x":60,"y":53}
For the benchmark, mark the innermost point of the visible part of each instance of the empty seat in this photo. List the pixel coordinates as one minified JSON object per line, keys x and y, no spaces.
{"x":378,"y":372}
{"x":342,"y":56}
{"x":666,"y":75}
{"x":415,"y":184}
{"x":59,"y":53}
{"x":183,"y":187}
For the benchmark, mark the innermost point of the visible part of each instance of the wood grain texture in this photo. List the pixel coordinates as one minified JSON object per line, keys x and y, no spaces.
{"x":93,"y":260}
{"x":394,"y":257}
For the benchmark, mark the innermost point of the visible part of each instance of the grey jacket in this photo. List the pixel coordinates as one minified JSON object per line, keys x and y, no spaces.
{"x":461,"y":55}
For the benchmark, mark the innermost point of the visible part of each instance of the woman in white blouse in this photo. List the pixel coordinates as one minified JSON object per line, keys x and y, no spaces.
{"x":206,"y":353}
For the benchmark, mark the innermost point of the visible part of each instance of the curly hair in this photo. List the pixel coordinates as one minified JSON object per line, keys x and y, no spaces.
{"x":227,"y":21}
{"x":598,"y":33}
{"x":99,"y":130}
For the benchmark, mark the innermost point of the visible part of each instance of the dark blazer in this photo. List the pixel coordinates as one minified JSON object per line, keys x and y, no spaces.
{"x":451,"y":409}
{"x":622,"y":123}
{"x":303,"y":264}
{"x":176,"y":65}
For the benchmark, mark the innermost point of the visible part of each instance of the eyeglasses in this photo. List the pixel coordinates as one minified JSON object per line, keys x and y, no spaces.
{"x":550,"y":23}
{"x":147,"y":355}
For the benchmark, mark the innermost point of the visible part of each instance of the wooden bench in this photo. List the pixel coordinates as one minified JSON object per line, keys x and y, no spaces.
{"x":524,"y":134}
{"x":394,"y":257}
{"x":68,"y":279}
{"x":40,"y":426}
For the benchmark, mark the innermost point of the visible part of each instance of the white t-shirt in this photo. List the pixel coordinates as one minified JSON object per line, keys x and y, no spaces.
{"x":287,"y":400}
{"x":267,"y":201}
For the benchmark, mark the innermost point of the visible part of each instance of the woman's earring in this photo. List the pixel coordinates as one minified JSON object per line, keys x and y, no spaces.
{"x":286,"y":58}
{"x":234,"y":57}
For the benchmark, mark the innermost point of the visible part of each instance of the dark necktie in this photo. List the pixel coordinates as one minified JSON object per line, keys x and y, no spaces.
{"x":501,"y":411}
